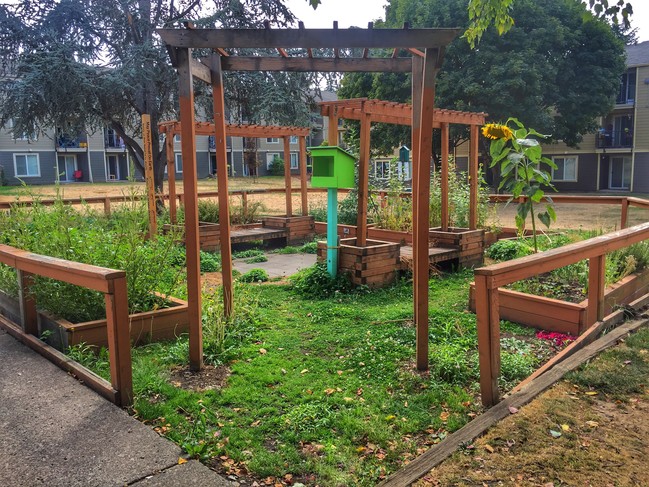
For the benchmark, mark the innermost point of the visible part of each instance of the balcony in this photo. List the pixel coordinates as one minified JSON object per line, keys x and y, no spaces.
{"x":113,"y":141}
{"x":69,"y":143}
{"x":615,"y":139}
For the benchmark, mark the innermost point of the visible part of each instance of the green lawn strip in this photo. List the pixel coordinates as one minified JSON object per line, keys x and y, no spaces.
{"x":325,"y":390}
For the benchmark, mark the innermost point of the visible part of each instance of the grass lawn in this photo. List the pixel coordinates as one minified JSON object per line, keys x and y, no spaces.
{"x":324,"y":391}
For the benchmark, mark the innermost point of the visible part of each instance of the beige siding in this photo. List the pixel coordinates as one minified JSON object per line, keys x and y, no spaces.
{"x":641,"y":122}
{"x":587,"y":145}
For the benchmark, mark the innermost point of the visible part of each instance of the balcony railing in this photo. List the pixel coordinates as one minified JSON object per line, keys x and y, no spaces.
{"x":113,"y":141}
{"x":68,"y":142}
{"x":615,"y":139}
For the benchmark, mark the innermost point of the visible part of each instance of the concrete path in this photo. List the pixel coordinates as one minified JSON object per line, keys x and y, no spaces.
{"x":278,"y":265}
{"x":54,"y":431}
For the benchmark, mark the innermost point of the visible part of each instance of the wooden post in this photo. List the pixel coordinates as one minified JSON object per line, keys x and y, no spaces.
{"x":473,"y":178}
{"x":287,"y":176}
{"x":28,"y":314}
{"x":303,"y":178}
{"x":171,"y":176}
{"x":244,"y":204}
{"x":148,"y":173}
{"x":425,"y":149}
{"x":363,"y":178}
{"x":107,"y":206}
{"x":444,"y":178}
{"x":625,"y":213}
{"x":222,"y":182}
{"x":332,"y":134}
{"x":190,"y":183}
{"x":488,"y":321}
{"x":596,"y":285}
{"x":417,"y":82}
{"x":119,"y":341}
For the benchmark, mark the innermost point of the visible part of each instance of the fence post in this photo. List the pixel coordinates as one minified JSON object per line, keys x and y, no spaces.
{"x":488,"y":322}
{"x":28,"y":314}
{"x":596,"y":284}
{"x":625,"y":213}
{"x":244,"y":205}
{"x":119,"y":341}
{"x":107,"y":206}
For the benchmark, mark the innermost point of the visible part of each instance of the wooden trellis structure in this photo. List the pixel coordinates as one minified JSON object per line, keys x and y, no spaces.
{"x":172,"y":128}
{"x":297,"y":50}
{"x":368,"y":111}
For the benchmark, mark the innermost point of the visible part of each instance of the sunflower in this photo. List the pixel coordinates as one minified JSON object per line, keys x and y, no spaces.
{"x":497,"y":131}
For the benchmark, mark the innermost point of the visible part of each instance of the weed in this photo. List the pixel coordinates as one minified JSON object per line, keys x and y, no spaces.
{"x":315,"y":282}
{"x":210,"y":262}
{"x":257,"y":259}
{"x":254,"y":275}
{"x":246,"y":254}
{"x":92,"y":358}
{"x":508,"y":250}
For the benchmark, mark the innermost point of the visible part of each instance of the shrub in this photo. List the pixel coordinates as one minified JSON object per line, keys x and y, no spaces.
{"x":208,"y":211}
{"x":276,"y":167}
{"x":508,"y":249}
{"x":315,"y":282}
{"x":210,"y":262}
{"x":254,"y":275}
{"x":257,"y":259}
{"x":309,"y":248}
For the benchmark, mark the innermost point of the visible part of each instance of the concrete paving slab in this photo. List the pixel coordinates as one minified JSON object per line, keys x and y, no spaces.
{"x":190,"y":474}
{"x":54,"y":431}
{"x":278,"y":265}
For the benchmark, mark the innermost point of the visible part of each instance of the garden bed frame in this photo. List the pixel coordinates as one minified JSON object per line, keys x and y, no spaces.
{"x":108,"y":281}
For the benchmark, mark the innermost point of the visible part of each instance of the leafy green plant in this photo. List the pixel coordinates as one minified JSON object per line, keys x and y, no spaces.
{"x":246,"y":254}
{"x":395,"y":212}
{"x":508,"y":249}
{"x":315,"y":282}
{"x":522,"y":170}
{"x":257,"y":259}
{"x":254,"y":275}
{"x":208,"y":211}
{"x":210,"y":262}
{"x":276,"y":167}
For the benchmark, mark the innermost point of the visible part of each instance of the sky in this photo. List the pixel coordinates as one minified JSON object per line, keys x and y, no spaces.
{"x":359,"y":12}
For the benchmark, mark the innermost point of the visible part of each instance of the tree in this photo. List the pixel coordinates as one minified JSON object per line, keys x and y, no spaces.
{"x":85,"y":64}
{"x":557,"y":69}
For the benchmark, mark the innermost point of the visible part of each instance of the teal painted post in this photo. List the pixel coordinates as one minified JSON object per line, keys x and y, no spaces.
{"x":332,"y":231}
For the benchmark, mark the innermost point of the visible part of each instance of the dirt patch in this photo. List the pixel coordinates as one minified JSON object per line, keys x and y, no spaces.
{"x":208,"y":378}
{"x":211,"y":280}
{"x":601,"y":442}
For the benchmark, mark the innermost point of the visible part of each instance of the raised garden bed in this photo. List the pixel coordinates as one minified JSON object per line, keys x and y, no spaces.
{"x":210,"y":237}
{"x":374,"y":265}
{"x":470,"y":243}
{"x":149,"y":326}
{"x":300,"y":228}
{"x":561,"y":316}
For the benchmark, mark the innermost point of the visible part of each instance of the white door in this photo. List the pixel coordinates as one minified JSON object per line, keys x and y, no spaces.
{"x":620,"y":173}
{"x":67,"y":165}
{"x":112,"y":167}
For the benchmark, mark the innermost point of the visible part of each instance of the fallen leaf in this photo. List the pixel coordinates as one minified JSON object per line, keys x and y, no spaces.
{"x":340,"y":372}
{"x":263,"y":351}
{"x":348,"y":399}
{"x":444,"y":415}
{"x":181,"y":461}
{"x":359,"y":391}
{"x":627,"y":362}
{"x":592,"y":424}
{"x":304,"y":371}
{"x":284,"y":371}
{"x":555,"y":434}
{"x":592,"y":393}
{"x":489,"y":448}
{"x":513,"y":410}
{"x":329,"y":391}
{"x":565,"y":427}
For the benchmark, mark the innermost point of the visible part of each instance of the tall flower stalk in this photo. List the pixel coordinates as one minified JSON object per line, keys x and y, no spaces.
{"x":523,"y":170}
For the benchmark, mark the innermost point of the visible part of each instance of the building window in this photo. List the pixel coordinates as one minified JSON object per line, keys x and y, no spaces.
{"x":179,"y":163}
{"x":293,"y":139}
{"x":22,"y":136}
{"x":626,"y":94}
{"x":177,"y":138}
{"x":272,"y":140}
{"x":382,"y":169}
{"x":294,"y":160}
{"x":27,"y":166}
{"x":566,"y":169}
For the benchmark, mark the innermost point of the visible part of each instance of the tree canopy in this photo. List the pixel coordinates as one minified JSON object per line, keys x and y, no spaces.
{"x":85,"y":64}
{"x":557,"y":69}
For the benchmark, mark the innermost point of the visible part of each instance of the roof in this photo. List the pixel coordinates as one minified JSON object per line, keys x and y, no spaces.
{"x":637,"y":55}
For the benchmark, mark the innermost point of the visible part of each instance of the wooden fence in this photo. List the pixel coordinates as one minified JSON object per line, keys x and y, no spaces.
{"x":489,"y":279}
{"x":112,"y":283}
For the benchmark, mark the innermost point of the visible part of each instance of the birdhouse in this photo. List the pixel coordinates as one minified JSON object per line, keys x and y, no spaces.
{"x":333,"y":167}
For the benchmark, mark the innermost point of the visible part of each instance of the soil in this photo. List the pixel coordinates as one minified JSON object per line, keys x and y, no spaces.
{"x":602,"y":443}
{"x":208,"y":378}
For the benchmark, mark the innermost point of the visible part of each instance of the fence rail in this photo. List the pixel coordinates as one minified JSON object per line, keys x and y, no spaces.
{"x":110,"y":282}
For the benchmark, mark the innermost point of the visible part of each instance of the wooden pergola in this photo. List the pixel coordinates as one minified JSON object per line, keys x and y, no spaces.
{"x":298,"y":50}
{"x":367,"y":111}
{"x":242,"y":130}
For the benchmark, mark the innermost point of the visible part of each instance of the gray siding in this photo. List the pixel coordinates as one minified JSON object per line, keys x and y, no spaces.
{"x":47,"y":163}
{"x":98,"y":166}
{"x":641,"y":173}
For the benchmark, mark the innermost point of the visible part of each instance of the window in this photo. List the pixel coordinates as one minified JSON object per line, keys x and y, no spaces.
{"x":177,"y":138}
{"x":27,"y":166}
{"x":566,"y":169}
{"x":179,"y":163}
{"x":294,"y":160}
{"x":272,"y":140}
{"x":23,"y":136}
{"x":382,"y":169}
{"x":293,"y":139}
{"x":626,"y":93}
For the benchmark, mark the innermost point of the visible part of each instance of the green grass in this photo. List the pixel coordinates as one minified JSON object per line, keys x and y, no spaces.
{"x":325,"y":390}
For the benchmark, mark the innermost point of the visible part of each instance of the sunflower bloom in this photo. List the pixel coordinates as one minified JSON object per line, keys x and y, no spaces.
{"x":497,"y":131}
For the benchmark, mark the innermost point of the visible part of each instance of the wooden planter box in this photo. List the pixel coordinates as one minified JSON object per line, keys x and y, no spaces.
{"x":300,"y":228}
{"x":208,"y":234}
{"x":470,"y":243}
{"x":149,"y":326}
{"x":561,"y":316}
{"x":374,"y":265}
{"x":9,"y":308}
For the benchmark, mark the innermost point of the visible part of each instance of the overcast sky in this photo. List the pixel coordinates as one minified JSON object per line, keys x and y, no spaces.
{"x":359,"y":12}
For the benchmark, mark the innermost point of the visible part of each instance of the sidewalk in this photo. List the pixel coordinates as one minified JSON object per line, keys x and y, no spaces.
{"x":54,"y":431}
